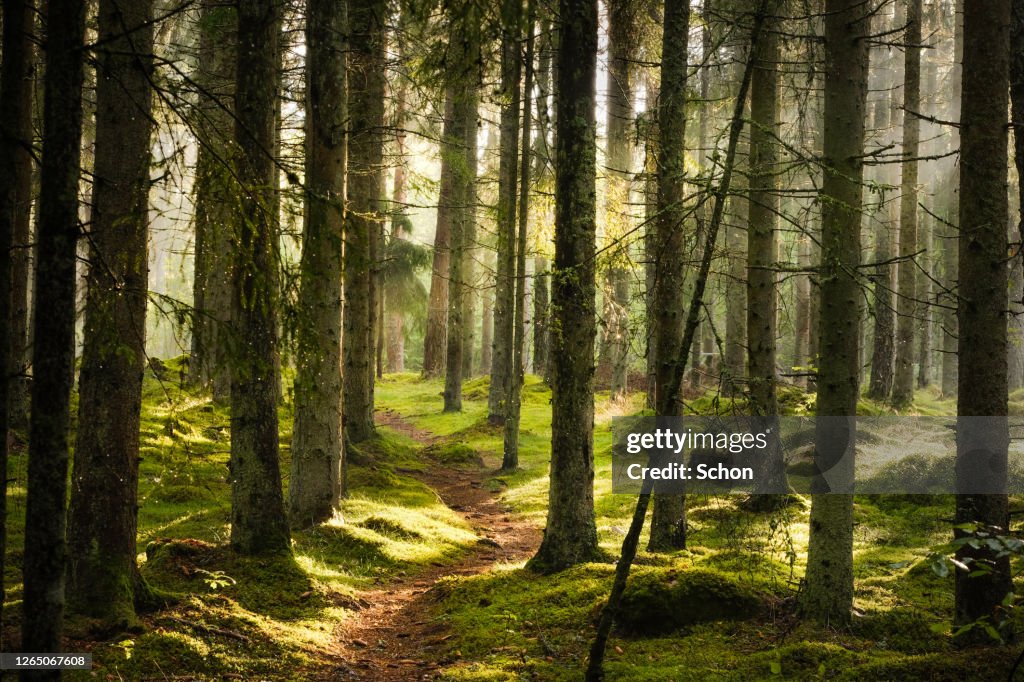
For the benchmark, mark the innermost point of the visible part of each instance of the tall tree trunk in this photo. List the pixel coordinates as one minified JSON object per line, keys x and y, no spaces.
{"x":486,"y":319}
{"x":435,"y":338}
{"x":504,"y":289}
{"x":908,"y":308}
{"x":209,"y":364}
{"x":541,"y":311}
{"x":316,"y":482}
{"x":828,"y":591}
{"x":618,"y":158}
{"x":258,"y":521}
{"x":950,"y":247}
{"x":762,"y":247}
{"x":668,"y":519}
{"x":103,"y":578}
{"x":983,"y":300}
{"x":15,"y":209}
{"x":510,"y":453}
{"x":362,"y":225}
{"x":16,"y":206}
{"x":924,"y":292}
{"x":571,"y":534}
{"x":883,"y":289}
{"x":734,"y":363}
{"x":45,"y":555}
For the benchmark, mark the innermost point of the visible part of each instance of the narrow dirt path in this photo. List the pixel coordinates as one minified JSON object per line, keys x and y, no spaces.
{"x":396,"y":638}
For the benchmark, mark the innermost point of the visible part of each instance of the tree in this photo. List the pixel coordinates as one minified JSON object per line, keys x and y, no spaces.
{"x":513,"y":400}
{"x":362,"y":223}
{"x":983,"y":300}
{"x":668,"y":518}
{"x":504,"y":285}
{"x":209,"y":362}
{"x":15,"y":209}
{"x":316,"y":483}
{"x":828,"y":590}
{"x":618,"y":161}
{"x":258,"y":520}
{"x":906,"y":273}
{"x":103,"y":578}
{"x":16,"y":198}
{"x":571,"y":533}
{"x":44,"y":561}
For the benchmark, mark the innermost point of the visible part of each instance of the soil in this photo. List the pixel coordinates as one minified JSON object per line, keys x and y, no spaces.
{"x":398,"y":636}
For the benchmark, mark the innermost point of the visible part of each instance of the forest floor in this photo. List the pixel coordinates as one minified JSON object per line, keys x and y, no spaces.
{"x":422,"y":575}
{"x":397,"y":637}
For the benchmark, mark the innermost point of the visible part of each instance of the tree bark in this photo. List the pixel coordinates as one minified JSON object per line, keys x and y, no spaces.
{"x":258,"y":520}
{"x":983,"y":295}
{"x":908,"y":309}
{"x":45,"y":556}
{"x":365,"y":155}
{"x":504,"y":290}
{"x":15,"y":209}
{"x":571,"y":534}
{"x":668,"y":518}
{"x":513,"y":406}
{"x":316,"y":483}
{"x":828,"y":591}
{"x":103,"y":578}
{"x":209,"y":363}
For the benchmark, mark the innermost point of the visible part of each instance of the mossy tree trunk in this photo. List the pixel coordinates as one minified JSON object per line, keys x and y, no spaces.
{"x":316,"y":483}
{"x":983,"y":295}
{"x":209,"y":363}
{"x":258,"y":520}
{"x":668,"y":518}
{"x":45,"y":558}
{"x":908,"y":309}
{"x":504,"y":285}
{"x":571,"y":533}
{"x":367,"y":19}
{"x":102,"y":573}
{"x":828,"y":589}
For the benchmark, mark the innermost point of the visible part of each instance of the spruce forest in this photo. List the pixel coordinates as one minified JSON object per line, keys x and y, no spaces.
{"x":316,"y":317}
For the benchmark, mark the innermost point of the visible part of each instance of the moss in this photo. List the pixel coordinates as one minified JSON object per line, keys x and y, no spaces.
{"x":454,"y":453}
{"x":658,"y":602}
{"x":907,"y":630}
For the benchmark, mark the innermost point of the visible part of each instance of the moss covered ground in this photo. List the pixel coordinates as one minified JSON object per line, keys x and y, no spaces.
{"x":227,"y":617}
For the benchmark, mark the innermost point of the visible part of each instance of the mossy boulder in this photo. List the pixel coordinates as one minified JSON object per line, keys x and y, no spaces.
{"x":659,"y":602}
{"x":904,"y":629}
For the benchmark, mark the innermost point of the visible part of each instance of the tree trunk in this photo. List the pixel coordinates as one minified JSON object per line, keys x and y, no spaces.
{"x":504,"y":290}
{"x":16,"y":204}
{"x":924,"y":291}
{"x":362,"y":224}
{"x":983,"y":298}
{"x":44,"y":561}
{"x":668,"y":519}
{"x":435,"y":339}
{"x":907,"y":306}
{"x":1015,"y":346}
{"x":571,"y":534}
{"x":950,"y":246}
{"x":734,"y":364}
{"x":103,"y":578}
{"x":15,"y":209}
{"x":258,"y":521}
{"x":316,"y":483}
{"x":513,"y":406}
{"x":541,"y":311}
{"x":828,"y":591}
{"x":762,"y":247}
{"x":209,"y":364}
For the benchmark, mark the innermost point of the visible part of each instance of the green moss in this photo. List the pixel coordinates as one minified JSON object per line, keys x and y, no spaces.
{"x":661,"y":601}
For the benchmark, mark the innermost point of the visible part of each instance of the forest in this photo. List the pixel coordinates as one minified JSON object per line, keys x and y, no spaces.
{"x":321,"y":322}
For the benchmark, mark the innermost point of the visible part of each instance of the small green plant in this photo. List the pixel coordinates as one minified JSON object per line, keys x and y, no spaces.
{"x":216,"y":579}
